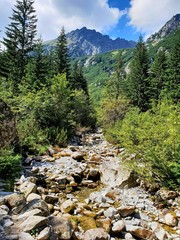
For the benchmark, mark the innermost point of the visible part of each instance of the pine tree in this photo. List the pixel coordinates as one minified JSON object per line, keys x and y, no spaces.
{"x":115,"y":86}
{"x":77,"y":80}
{"x":173,"y":84}
{"x":158,"y":74}
{"x":62,"y":58}
{"x":138,"y":84}
{"x":20,"y":38}
{"x":37,"y":68}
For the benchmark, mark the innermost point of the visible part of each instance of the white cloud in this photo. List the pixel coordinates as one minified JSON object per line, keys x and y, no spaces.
{"x":148,"y":16}
{"x":72,"y":14}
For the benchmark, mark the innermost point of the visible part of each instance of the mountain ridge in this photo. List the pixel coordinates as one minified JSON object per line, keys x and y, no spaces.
{"x":170,"y":26}
{"x":84,"y":42}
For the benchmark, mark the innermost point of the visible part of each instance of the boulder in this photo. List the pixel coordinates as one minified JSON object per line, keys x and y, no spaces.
{"x":44,"y":234}
{"x":115,"y":174}
{"x":110,"y":212}
{"x":33,"y":222}
{"x":159,"y":231}
{"x":79,"y":156}
{"x":32,"y":196}
{"x":50,"y":199}
{"x":141,"y":232}
{"x":125,"y":211}
{"x":170,"y":219}
{"x":15,"y":200}
{"x":104,"y":223}
{"x":25,"y":236}
{"x":67,"y":207}
{"x":118,"y":226}
{"x":94,"y":175}
{"x":37,"y":204}
{"x":61,"y":228}
{"x":27,"y":188}
{"x":96,"y":234}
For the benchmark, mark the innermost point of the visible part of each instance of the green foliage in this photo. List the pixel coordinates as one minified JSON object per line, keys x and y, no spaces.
{"x":154,"y":136}
{"x":19,"y":40}
{"x":61,"y":56}
{"x":10,"y":164}
{"x":158,"y":74}
{"x":138,"y":84}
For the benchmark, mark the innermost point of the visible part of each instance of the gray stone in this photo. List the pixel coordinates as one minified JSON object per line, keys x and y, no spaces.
{"x":118,"y":226}
{"x":33,"y":222}
{"x":25,"y":236}
{"x":44,"y":234}
{"x":27,"y":188}
{"x":62,"y":228}
{"x":96,"y":234}
{"x":110,"y":212}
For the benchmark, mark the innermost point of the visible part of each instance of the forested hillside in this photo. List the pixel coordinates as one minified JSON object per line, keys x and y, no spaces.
{"x":49,"y":98}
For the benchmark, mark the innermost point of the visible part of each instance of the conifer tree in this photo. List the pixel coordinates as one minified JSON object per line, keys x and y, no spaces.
{"x":138,"y":84}
{"x":37,"y":68}
{"x":173,"y":84}
{"x":62,"y":58}
{"x":158,"y":74}
{"x":77,"y":80}
{"x":20,"y":38}
{"x":115,"y":86}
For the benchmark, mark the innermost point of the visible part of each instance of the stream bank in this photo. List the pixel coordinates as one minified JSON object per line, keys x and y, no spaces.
{"x":84,"y":192}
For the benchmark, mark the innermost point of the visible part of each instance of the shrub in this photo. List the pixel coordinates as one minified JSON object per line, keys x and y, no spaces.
{"x":10,"y":164}
{"x":154,"y":136}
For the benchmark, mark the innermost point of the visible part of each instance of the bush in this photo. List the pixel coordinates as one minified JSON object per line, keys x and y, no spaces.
{"x":10,"y":164}
{"x":154,"y":136}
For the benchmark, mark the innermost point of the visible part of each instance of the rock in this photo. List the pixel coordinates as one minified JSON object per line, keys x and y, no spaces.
{"x":44,"y":234}
{"x":32,"y":196}
{"x":34,"y":212}
{"x":104,"y":223}
{"x":50,"y":199}
{"x":96,"y":234}
{"x":79,"y":156}
{"x":62,"y":228}
{"x":118,"y":226}
{"x":87,"y":223}
{"x":128,"y":236}
{"x":7,"y":223}
{"x":125,"y":211}
{"x":25,"y":236}
{"x":94,"y":175}
{"x":159,"y":231}
{"x":170,"y":219}
{"x":141,"y":232}
{"x":15,"y":200}
{"x":33,"y":222}
{"x":68,"y":206}
{"x":27,"y":188}
{"x":110,"y":212}
{"x":37,"y":204}
{"x":114,"y":174}
{"x":95,"y":158}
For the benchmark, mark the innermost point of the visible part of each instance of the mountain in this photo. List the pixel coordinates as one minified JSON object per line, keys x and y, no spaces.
{"x":83,"y":42}
{"x":171,"y":26}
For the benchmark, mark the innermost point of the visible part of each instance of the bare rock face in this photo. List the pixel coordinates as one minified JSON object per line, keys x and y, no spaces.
{"x":8,"y":132}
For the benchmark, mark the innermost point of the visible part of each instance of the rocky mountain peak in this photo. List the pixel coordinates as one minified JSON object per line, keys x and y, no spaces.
{"x":83,"y":42}
{"x":172,"y":25}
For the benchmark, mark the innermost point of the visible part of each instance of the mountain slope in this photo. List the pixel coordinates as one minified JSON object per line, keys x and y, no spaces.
{"x":171,"y":26}
{"x":83,"y":42}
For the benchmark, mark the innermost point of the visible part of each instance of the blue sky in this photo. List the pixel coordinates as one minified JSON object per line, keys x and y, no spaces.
{"x":117,"y":18}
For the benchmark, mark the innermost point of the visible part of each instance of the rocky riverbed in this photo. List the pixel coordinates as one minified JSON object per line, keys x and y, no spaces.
{"x":84,"y":192}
